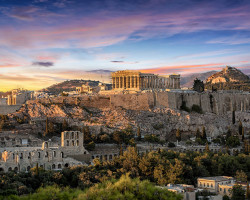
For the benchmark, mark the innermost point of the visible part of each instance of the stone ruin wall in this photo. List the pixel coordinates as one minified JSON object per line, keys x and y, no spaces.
{"x":217,"y":103}
{"x":87,"y":101}
{"x":213,"y":102}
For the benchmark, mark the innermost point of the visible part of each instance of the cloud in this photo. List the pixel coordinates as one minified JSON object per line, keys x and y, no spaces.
{"x":43,"y":64}
{"x":100,"y":71}
{"x":8,"y":65}
{"x":117,"y":61}
{"x":23,"y":13}
{"x":233,"y":40}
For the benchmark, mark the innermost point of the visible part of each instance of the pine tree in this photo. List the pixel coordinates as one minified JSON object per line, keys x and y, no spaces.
{"x":203,"y":133}
{"x":243,"y":136}
{"x":233,"y":117}
{"x":139,"y":133}
{"x":65,"y":125}
{"x":178,"y":135}
{"x":207,"y":148}
{"x":240,"y":128}
{"x":46,"y":127}
{"x":198,"y":133}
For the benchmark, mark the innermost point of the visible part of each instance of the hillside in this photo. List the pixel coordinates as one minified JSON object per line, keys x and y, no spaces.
{"x":188,"y":80}
{"x":230,"y":78}
{"x":68,"y":85}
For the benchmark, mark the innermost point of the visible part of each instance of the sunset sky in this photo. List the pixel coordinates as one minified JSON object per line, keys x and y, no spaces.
{"x":43,"y":42}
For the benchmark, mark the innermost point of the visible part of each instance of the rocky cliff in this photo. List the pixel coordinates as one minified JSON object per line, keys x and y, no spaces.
{"x":230,"y":78}
{"x":154,"y":113}
{"x":228,"y":74}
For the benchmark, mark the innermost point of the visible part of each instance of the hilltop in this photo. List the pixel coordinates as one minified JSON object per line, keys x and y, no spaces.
{"x":188,"y":80}
{"x":68,"y":85}
{"x":229,"y":78}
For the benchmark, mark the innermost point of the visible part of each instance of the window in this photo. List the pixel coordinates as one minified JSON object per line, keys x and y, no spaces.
{"x":220,"y":189}
{"x":72,"y":135}
{"x":13,"y":156}
{"x":73,"y":143}
{"x":224,"y":190}
{"x":207,"y":184}
{"x":62,"y":155}
{"x":211,"y":185}
{"x":200,"y":184}
{"x":59,"y":166}
{"x":39,"y":155}
{"x":67,"y":143}
{"x":21,"y":156}
{"x":54,"y":154}
{"x":46,"y":154}
{"x":77,"y":142}
{"x":53,"y":166}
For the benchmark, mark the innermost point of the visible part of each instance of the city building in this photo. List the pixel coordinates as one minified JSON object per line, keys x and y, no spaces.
{"x":213,"y":184}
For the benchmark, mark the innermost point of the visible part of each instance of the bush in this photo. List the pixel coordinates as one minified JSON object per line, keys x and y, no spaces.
{"x":196,"y":108}
{"x":158,"y":126}
{"x":171,"y":144}
{"x":184,"y":107}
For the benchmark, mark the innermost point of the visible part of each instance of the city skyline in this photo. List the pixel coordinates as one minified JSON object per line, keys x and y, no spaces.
{"x":45,"y":42}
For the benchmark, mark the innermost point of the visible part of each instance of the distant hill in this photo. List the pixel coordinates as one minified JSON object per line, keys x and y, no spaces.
{"x":230,"y":78}
{"x":188,"y":80}
{"x":69,"y":85}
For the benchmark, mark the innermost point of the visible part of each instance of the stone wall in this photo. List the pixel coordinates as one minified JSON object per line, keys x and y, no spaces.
{"x":6,"y":109}
{"x":217,"y":102}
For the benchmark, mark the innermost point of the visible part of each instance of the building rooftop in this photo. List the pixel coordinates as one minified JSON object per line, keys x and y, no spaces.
{"x":217,"y":178}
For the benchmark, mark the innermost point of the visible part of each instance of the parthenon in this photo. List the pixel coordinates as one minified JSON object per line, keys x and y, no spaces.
{"x":135,"y":80}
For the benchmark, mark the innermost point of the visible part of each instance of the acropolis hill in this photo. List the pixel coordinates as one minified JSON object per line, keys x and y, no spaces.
{"x":140,"y":100}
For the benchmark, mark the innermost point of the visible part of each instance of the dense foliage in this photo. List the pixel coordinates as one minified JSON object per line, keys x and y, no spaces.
{"x":160,"y":167}
{"x":124,"y":188}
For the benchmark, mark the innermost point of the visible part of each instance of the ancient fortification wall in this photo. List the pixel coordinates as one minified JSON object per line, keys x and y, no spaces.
{"x":218,"y":102}
{"x":6,"y":109}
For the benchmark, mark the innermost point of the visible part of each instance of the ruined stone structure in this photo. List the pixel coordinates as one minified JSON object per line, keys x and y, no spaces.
{"x":135,"y":80}
{"x":19,"y":155}
{"x":14,"y":101}
{"x":87,"y":89}
{"x":213,"y":102}
{"x":70,"y":153}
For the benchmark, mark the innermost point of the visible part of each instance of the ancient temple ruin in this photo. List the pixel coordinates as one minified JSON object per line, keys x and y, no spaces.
{"x":136,"y":80}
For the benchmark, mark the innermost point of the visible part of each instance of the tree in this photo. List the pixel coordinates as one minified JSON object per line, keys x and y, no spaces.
{"x":233,"y":141}
{"x":2,"y":124}
{"x":238,"y":193}
{"x":207,"y":148}
{"x":225,"y":197}
{"x":198,"y":85}
{"x":241,"y":176}
{"x":233,"y":117}
{"x":203,"y":133}
{"x":65,"y":125}
{"x":51,"y":128}
{"x":243,"y":135}
{"x":86,"y":134}
{"x":248,"y":192}
{"x":178,"y":135}
{"x":198,"y":133}
{"x":127,"y":188}
{"x":139,"y":133}
{"x":240,"y":128}
{"x":90,"y":146}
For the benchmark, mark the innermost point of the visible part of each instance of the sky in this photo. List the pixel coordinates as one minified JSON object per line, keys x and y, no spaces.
{"x":43,"y":42}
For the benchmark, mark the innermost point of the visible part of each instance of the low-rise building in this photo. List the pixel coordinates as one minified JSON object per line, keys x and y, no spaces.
{"x":213,"y":183}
